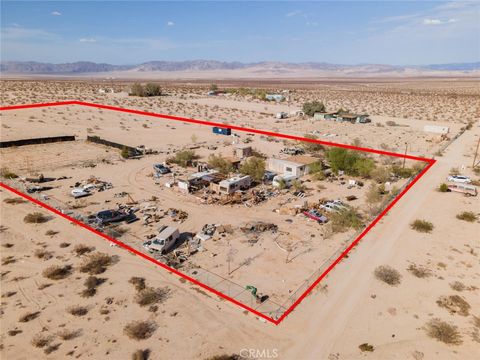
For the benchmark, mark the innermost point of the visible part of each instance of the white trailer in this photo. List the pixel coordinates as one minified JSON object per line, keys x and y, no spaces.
{"x":164,"y":241}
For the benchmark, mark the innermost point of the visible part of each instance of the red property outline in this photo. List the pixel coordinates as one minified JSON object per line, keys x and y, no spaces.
{"x":429,"y":162}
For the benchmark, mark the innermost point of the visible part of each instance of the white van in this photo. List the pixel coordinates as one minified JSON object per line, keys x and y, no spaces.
{"x":164,"y":241}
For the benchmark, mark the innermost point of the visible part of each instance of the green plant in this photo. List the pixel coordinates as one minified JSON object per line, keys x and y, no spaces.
{"x":7,"y":174}
{"x":183,"y":158}
{"x":422,"y":226}
{"x":312,"y":107}
{"x":443,"y":187}
{"x":311,"y":147}
{"x":467,"y":216}
{"x":255,"y":167}
{"x":219,"y":163}
{"x":345,"y":219}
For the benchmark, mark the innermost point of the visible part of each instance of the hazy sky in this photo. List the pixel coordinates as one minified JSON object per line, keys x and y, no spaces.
{"x":130,"y":32}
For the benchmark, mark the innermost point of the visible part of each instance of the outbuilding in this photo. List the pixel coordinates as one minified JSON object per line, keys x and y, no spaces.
{"x":297,"y":165}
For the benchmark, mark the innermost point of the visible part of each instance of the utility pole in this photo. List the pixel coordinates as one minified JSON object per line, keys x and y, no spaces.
{"x":406,"y":145}
{"x":476,"y":152}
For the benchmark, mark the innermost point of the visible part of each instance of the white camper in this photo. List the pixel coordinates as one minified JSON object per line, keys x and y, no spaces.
{"x":164,"y":241}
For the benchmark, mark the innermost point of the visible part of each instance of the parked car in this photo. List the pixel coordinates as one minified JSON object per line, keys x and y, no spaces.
{"x":110,"y":216}
{"x":315,"y":215}
{"x":459,"y":179}
{"x":164,"y":241}
{"x":329,"y":207}
{"x":161,"y":169}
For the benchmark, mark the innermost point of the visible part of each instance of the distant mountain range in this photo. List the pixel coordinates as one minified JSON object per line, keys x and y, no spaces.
{"x":85,"y":67}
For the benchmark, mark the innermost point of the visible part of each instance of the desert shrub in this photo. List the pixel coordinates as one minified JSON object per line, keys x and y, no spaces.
{"x":77,"y":310}
{"x":14,"y":201}
{"x":41,"y":340}
{"x":311,"y":147}
{"x":51,"y":232}
{"x":93,"y":282}
{"x":96,"y":263}
{"x":457,"y":286}
{"x":403,"y":172}
{"x":68,"y":334}
{"x":455,"y":304}
{"x":183,"y":158}
{"x":388,"y":275}
{"x":255,"y":167}
{"x":225,"y":357}
{"x":148,"y":90}
{"x":443,"y":331}
{"x":51,"y":348}
{"x":467,"y":216}
{"x":29,"y":316}
{"x":43,"y":254}
{"x":312,"y":107}
{"x":390,"y":123}
{"x":56,"y":272}
{"x":140,"y":330}
{"x":374,"y":195}
{"x":221,"y":164}
{"x":64,"y":245}
{"x":141,"y":355}
{"x":81,"y":249}
{"x":138,"y":282}
{"x":380,"y":174}
{"x":419,"y":271}
{"x":422,"y":226}
{"x":149,"y":296}
{"x":443,"y":187}
{"x":346,"y":219}
{"x":36,"y":218}
{"x":366,"y":347}
{"x":297,"y":185}
{"x":7,"y":174}
{"x":351,"y":162}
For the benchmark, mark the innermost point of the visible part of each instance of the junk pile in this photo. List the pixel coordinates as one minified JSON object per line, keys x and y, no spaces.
{"x":177,"y":215}
{"x":207,"y":232}
{"x":259,"y":227}
{"x":87,"y":187}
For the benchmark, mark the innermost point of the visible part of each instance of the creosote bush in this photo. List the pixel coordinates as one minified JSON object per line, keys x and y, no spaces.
{"x":467,"y":216}
{"x":77,"y":310}
{"x":388,"y":275}
{"x":422,"y":226}
{"x":443,"y":331}
{"x":57,"y":272}
{"x":140,"y":330}
{"x":141,"y":355}
{"x":150,"y":296}
{"x":96,"y":263}
{"x":36,"y":218}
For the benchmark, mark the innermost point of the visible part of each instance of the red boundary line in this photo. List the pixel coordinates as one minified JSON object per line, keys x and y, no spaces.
{"x":256,"y":131}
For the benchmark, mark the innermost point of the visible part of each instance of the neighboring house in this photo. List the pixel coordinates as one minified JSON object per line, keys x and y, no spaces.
{"x":297,"y":165}
{"x":353,"y":118}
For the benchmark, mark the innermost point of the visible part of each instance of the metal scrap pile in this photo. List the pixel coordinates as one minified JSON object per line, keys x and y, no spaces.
{"x":177,"y":215}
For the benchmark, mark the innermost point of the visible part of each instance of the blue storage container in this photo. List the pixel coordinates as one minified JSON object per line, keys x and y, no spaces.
{"x":222,"y":131}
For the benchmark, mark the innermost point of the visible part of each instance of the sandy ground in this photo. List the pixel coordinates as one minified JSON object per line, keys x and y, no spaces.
{"x":350,"y":308}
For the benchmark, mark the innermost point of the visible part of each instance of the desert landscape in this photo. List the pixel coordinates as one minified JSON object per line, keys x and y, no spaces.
{"x":409,"y":289}
{"x":240,"y":180}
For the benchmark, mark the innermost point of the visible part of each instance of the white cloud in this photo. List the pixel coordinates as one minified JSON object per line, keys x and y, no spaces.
{"x":432,"y":22}
{"x":170,"y":23}
{"x":311,"y":23}
{"x":56,"y":13}
{"x":294,"y":13}
{"x":87,"y":40}
{"x":438,"y":21}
